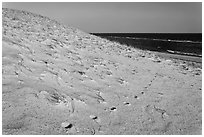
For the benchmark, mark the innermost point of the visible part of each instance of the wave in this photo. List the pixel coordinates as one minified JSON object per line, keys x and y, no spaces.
{"x":183,"y":53}
{"x":170,"y":40}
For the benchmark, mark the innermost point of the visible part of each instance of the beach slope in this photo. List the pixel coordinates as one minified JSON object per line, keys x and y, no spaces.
{"x":58,"y":80}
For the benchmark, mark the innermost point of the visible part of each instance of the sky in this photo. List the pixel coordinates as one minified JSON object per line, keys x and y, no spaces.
{"x":132,"y":17}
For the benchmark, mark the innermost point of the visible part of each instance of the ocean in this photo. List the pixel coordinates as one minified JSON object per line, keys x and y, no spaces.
{"x":189,"y":44}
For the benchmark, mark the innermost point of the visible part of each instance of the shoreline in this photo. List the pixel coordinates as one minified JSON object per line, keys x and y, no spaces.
{"x":179,"y":57}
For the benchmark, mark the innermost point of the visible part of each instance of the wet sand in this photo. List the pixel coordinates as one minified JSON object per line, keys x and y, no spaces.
{"x":180,"y":57}
{"x":58,"y":80}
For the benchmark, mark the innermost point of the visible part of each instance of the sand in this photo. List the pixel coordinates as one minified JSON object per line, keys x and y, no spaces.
{"x":58,"y":80}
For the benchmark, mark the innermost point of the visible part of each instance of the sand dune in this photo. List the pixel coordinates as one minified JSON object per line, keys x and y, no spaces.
{"x":60,"y":80}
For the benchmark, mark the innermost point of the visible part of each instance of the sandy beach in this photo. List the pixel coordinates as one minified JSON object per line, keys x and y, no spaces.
{"x":58,"y":80}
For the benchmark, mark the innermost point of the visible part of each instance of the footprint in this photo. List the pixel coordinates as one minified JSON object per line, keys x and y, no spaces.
{"x":113,"y":108}
{"x":126,"y":103}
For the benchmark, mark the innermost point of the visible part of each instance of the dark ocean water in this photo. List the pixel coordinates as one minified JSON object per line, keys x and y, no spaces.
{"x":176,"y":43}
